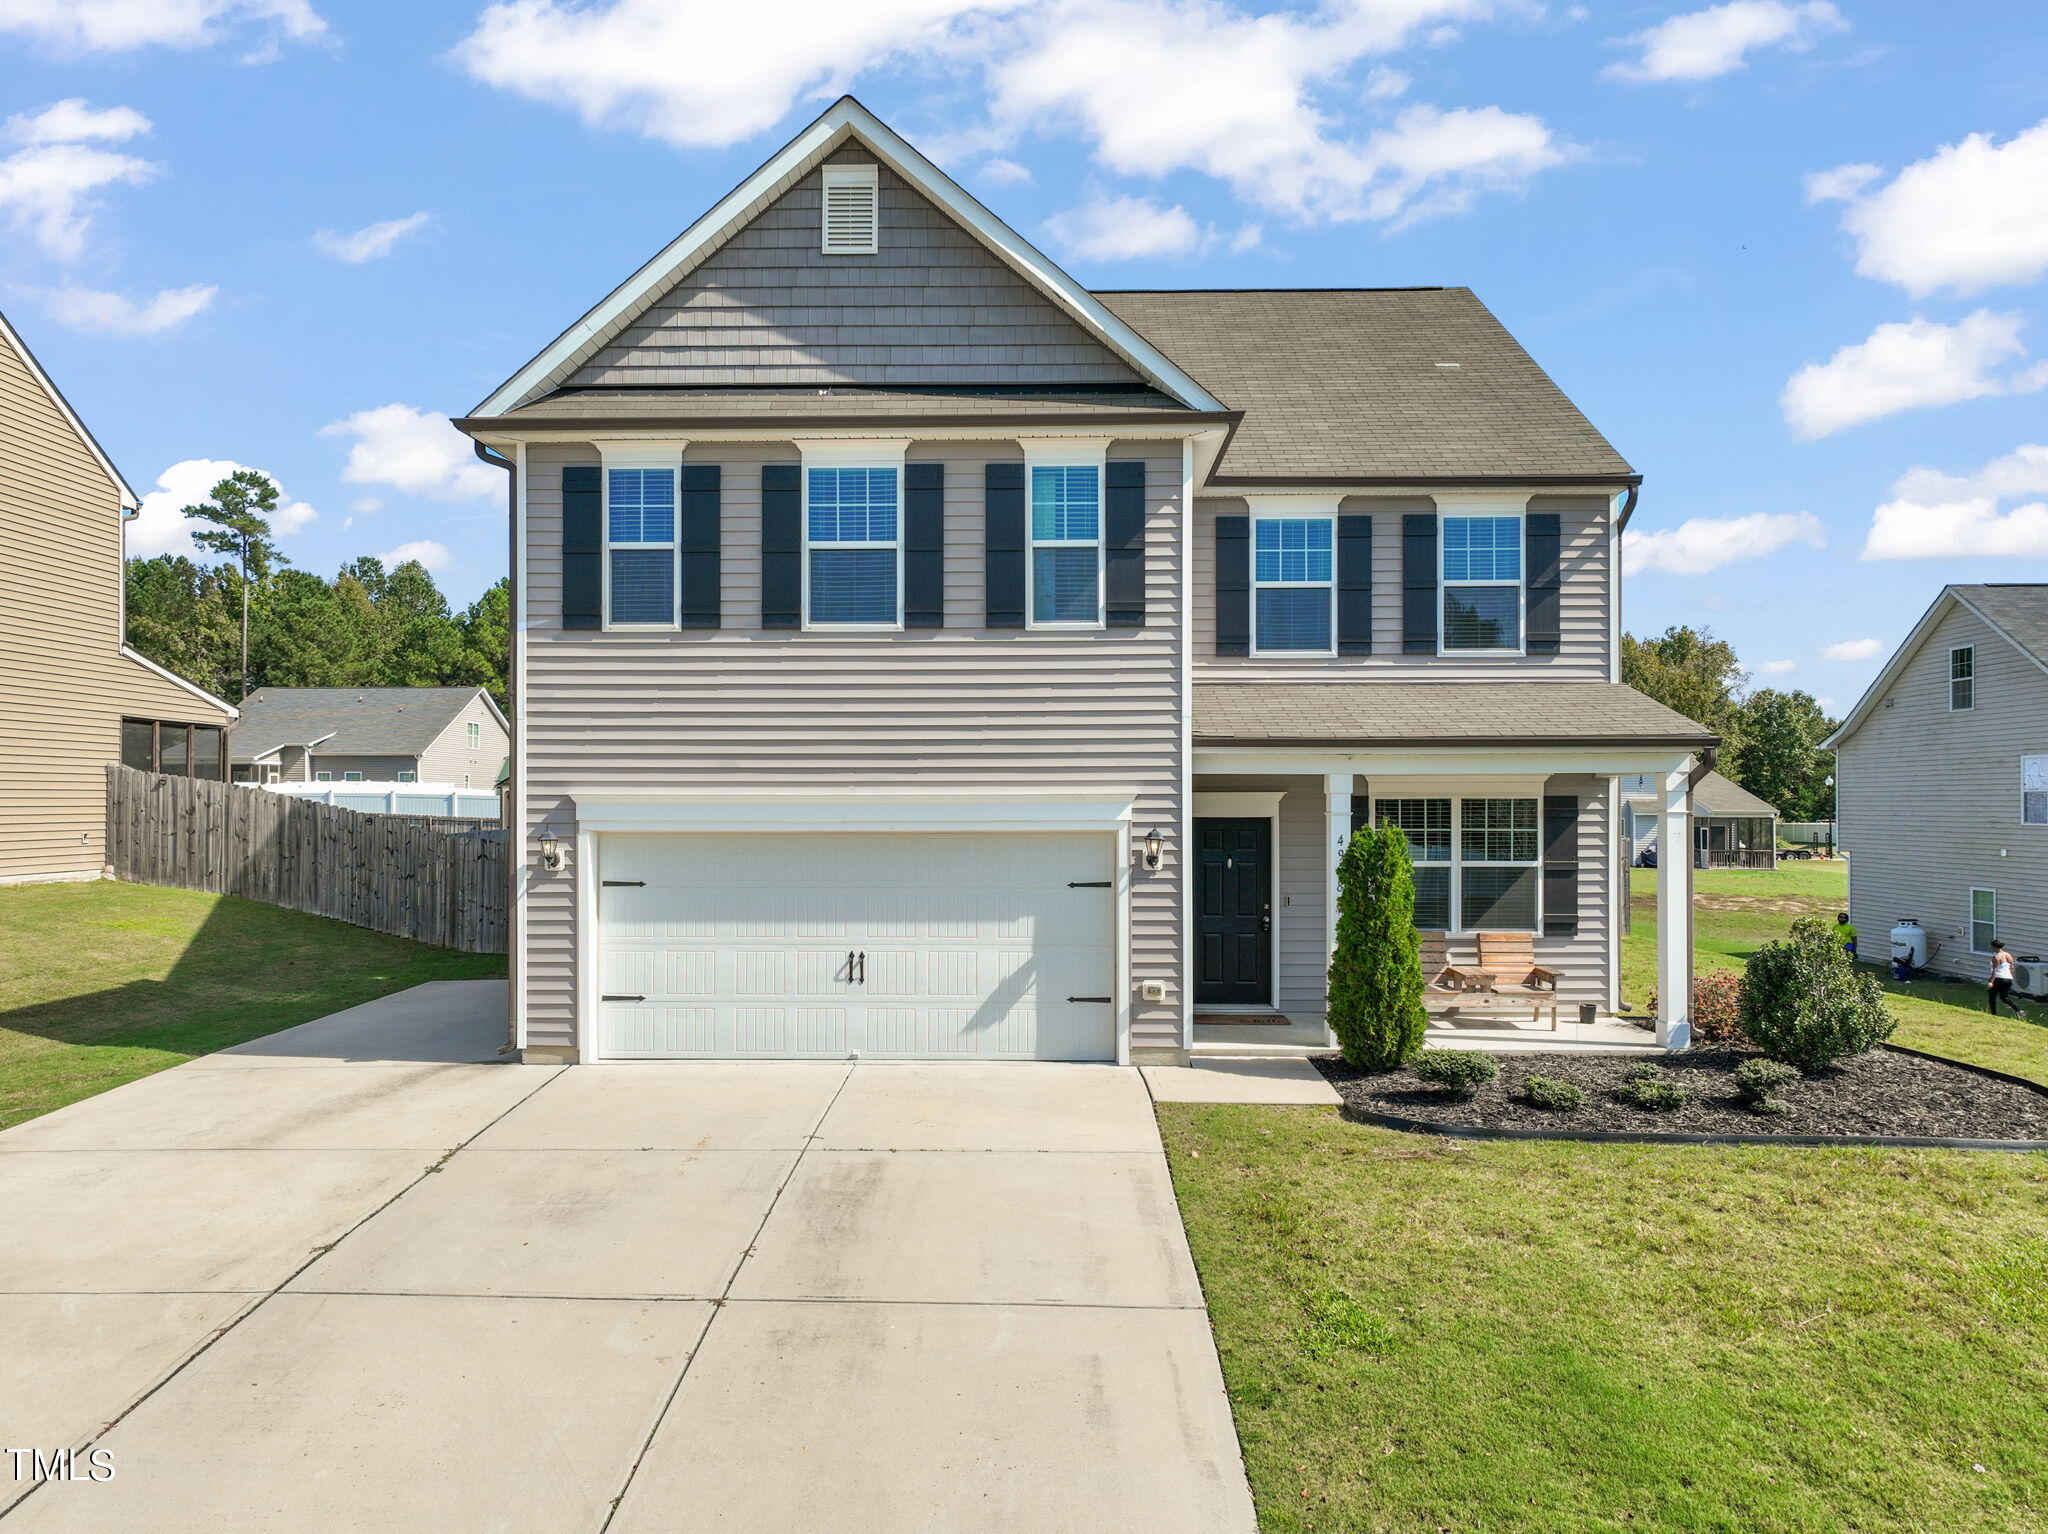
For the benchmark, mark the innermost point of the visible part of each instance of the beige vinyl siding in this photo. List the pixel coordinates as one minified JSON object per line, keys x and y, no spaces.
{"x":956,"y":708}
{"x":1585,"y":604}
{"x":450,"y":759}
{"x":1929,"y":802}
{"x":64,"y":683}
{"x":932,"y":306}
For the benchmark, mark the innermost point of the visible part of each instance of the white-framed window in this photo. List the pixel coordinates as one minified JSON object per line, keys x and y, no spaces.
{"x":1962,"y":678}
{"x":1481,"y":583}
{"x":2034,"y":790}
{"x":640,"y":547}
{"x":475,"y":732}
{"x":408,"y":777}
{"x":323,"y":777}
{"x":1478,"y":860}
{"x":1064,"y":570}
{"x":1294,"y":587}
{"x":1983,"y":919}
{"x":351,"y":777}
{"x":853,"y":546}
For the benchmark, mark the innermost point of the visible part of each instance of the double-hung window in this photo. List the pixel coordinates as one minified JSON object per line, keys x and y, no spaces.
{"x":1962,"y":678}
{"x":1482,"y":584}
{"x":2034,"y":790}
{"x":1477,"y":861}
{"x":853,"y":546}
{"x":1427,"y":825}
{"x":475,"y":733}
{"x":1293,"y":586}
{"x":1983,"y":919}
{"x":1066,"y":545}
{"x":640,"y":548}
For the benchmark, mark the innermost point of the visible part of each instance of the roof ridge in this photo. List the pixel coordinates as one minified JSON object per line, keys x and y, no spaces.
{"x":1418,"y":287}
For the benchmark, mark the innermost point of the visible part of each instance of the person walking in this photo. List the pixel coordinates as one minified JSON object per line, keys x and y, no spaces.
{"x":1845,"y":932}
{"x":2001,"y":978}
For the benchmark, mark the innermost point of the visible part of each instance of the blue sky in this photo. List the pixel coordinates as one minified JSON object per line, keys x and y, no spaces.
{"x":1651,"y":196}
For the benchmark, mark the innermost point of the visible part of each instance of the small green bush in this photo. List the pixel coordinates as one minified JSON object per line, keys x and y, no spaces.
{"x":1758,"y":1083}
{"x":1650,"y":1093}
{"x":1375,"y":992}
{"x":1813,"y":929}
{"x":1460,"y":1072}
{"x":1644,"y":1070}
{"x":1549,"y":1092}
{"x":1805,"y":1004}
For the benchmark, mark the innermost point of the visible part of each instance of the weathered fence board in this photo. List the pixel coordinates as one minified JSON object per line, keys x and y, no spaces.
{"x":411,"y":877}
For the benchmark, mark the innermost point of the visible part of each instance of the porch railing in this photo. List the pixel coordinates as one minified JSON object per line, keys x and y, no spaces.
{"x":1741,"y":857}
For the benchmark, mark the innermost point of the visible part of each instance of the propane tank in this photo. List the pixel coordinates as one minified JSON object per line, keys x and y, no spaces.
{"x":1909,"y":949}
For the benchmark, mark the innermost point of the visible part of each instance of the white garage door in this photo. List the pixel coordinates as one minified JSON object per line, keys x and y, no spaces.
{"x":905,"y":945}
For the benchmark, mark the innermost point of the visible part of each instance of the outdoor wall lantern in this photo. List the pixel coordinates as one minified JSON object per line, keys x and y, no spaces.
{"x":550,"y":852}
{"x":1154,"y":846}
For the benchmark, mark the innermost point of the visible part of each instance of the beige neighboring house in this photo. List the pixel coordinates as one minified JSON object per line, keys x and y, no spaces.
{"x":1941,"y":785}
{"x":921,"y":656}
{"x":73,"y":696}
{"x":453,"y":737}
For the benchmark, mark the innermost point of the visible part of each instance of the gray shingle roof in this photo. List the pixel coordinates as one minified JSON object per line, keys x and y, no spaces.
{"x":2021,"y":611}
{"x":1355,"y":384}
{"x":743,"y":407}
{"x":1712,"y":795}
{"x":1481,"y":713}
{"x":362,"y":721}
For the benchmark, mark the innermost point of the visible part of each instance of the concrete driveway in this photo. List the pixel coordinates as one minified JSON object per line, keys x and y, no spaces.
{"x":360,"y":1276}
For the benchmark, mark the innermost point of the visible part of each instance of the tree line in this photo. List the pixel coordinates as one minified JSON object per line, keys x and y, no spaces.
{"x":255,"y":621}
{"x":1770,"y":737}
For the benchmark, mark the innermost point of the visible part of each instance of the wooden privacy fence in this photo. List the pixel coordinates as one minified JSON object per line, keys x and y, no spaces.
{"x":411,"y":878}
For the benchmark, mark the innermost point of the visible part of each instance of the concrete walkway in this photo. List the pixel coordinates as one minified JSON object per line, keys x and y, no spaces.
{"x":359,"y":1275}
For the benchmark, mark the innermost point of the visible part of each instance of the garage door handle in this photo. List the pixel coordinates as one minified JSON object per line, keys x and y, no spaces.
{"x":622,"y":998}
{"x":638,"y":884}
{"x":1091,"y":998}
{"x":1087,"y":884}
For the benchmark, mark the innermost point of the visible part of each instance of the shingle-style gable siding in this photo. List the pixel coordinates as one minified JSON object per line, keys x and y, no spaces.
{"x":1929,"y":800}
{"x":933,"y":307}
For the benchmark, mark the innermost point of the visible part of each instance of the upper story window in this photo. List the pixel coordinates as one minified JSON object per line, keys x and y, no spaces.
{"x":323,"y":777}
{"x":408,"y":777}
{"x":853,"y":547}
{"x":1065,"y":568}
{"x":1482,"y":584}
{"x":2034,"y":790}
{"x":1962,"y":678}
{"x":476,"y":735}
{"x":1293,"y":586}
{"x":351,"y":777}
{"x":850,"y":221}
{"x":640,"y":548}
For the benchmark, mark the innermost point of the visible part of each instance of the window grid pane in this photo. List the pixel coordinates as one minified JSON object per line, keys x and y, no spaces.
{"x":1064,"y":585}
{"x":642,"y":505}
{"x":1294,"y":618}
{"x":1425,"y":822}
{"x":1482,"y":548}
{"x":1292,"y":549}
{"x":852,"y":505}
{"x":1498,"y":899}
{"x":1482,"y":618}
{"x":853,"y":585}
{"x":1066,"y":504}
{"x":1433,"y":899}
{"x":1498,"y":830}
{"x":643,"y":586}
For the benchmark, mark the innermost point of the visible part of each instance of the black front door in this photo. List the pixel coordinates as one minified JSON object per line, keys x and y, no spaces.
{"x":1234,"y":912}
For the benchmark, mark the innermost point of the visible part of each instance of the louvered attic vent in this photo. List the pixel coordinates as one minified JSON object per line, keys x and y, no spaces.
{"x":850,"y":213}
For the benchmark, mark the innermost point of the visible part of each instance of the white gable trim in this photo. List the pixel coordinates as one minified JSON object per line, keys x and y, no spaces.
{"x":1948,"y":601}
{"x":845,"y":119}
{"x":172,"y":677}
{"x":129,"y":500}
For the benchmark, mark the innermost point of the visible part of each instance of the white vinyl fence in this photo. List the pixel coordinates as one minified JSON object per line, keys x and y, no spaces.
{"x":396,"y":799}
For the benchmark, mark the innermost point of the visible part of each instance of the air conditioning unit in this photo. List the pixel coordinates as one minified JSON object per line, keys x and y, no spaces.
{"x":2030,"y":978}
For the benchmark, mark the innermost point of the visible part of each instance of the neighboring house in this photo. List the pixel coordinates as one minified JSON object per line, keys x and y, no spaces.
{"x":922,"y":656}
{"x":73,"y":696}
{"x":1731,"y":827}
{"x":451,"y":736}
{"x":1941,"y":783}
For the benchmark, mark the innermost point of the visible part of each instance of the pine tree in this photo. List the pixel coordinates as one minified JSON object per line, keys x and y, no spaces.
{"x":1376,"y":1007}
{"x":240,"y":512}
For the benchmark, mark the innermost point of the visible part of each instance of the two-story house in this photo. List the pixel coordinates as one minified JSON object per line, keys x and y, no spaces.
{"x":1941,"y":784}
{"x":73,"y":696}
{"x":919,"y":655}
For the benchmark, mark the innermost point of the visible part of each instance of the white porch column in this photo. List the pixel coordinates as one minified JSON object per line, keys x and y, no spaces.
{"x":1337,"y":835}
{"x":1674,"y":916}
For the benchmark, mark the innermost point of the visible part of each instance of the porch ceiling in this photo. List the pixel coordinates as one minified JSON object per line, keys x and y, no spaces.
{"x":1379,"y":714}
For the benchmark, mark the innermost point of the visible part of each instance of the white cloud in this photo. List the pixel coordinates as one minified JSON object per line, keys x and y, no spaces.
{"x":46,"y":186}
{"x":1970,"y":216}
{"x":370,"y":242}
{"x":160,"y":527}
{"x":1845,"y":183}
{"x":1123,"y":228}
{"x":367,"y":503}
{"x":1933,"y":515}
{"x":116,"y":314}
{"x":1003,"y":172}
{"x":1384,"y":84}
{"x":1906,"y":366}
{"x":1777,"y":667}
{"x":422,"y":551}
{"x":114,"y":26}
{"x":1703,"y":44}
{"x":1700,"y":544}
{"x":1852,"y":649}
{"x":416,"y":451}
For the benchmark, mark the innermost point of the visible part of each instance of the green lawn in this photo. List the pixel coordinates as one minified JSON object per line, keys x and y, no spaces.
{"x":1736,"y":911}
{"x":1546,"y":1338}
{"x":101,"y":983}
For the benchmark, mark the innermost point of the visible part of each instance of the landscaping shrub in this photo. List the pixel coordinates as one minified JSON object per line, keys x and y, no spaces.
{"x":1460,"y":1072}
{"x":1716,"y":1009}
{"x":1644,"y":1070}
{"x":1648,"y":1091}
{"x":1813,"y":929}
{"x":1549,"y":1092}
{"x":1758,"y":1083}
{"x":1375,"y":974}
{"x":1805,"y":1004}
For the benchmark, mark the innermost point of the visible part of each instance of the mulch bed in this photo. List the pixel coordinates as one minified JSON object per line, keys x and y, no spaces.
{"x":1880,"y":1093}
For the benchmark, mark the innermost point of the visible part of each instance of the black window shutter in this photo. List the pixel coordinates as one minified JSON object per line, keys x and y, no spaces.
{"x":782,"y":545}
{"x":1003,"y":544}
{"x":1418,"y":583}
{"x":1541,"y":559}
{"x":1233,"y":585}
{"x":1560,"y":865}
{"x":924,"y":545}
{"x":1361,"y":812}
{"x":697,"y":545}
{"x":1123,"y":545}
{"x":1354,"y":584}
{"x":582,"y":546}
